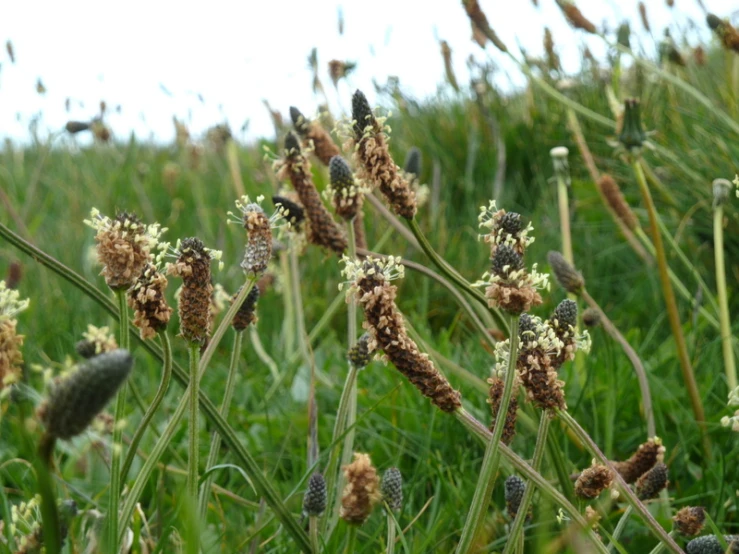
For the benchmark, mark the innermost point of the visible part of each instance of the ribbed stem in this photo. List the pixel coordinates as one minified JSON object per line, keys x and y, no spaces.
{"x":452,"y":274}
{"x":626,"y":493}
{"x":671,"y":305}
{"x":620,"y":526}
{"x":528,"y":495}
{"x":313,"y":533}
{"x":636,"y":363}
{"x":486,"y":479}
{"x":390,"y":534}
{"x":723,"y":300}
{"x":114,"y":494}
{"x":153,"y":407}
{"x":215,"y":441}
{"x":193,"y":443}
{"x":546,"y":488}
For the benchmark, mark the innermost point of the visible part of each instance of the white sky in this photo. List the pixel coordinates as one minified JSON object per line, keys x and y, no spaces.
{"x":235,"y":54}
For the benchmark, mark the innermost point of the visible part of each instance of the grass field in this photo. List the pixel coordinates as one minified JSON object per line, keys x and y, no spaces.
{"x":48,"y":190}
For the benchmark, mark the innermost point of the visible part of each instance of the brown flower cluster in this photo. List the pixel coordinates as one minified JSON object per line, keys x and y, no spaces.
{"x":246,"y":315}
{"x":593,"y":481}
{"x":481,"y":29}
{"x":650,"y":484}
{"x":384,"y":322}
{"x":495,"y":395}
{"x":324,"y":147}
{"x":615,"y":198}
{"x":362,"y":490}
{"x":575,"y":17}
{"x":323,"y":229}
{"x":193,"y":266}
{"x":146,"y":297}
{"x":689,"y":521}
{"x":726,"y":32}
{"x":259,"y":241}
{"x":644,"y":459}
{"x":375,"y":163}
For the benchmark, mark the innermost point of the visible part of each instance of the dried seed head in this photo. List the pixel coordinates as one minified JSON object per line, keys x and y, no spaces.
{"x":567,"y":276}
{"x":721,"y":191}
{"x":95,"y":341}
{"x":644,"y":17}
{"x":644,"y":459}
{"x":314,"y":134}
{"x":508,"y":285}
{"x":246,"y":315}
{"x":689,"y":521}
{"x":291,"y":211}
{"x":146,"y":297}
{"x":74,"y":127}
{"x":709,"y":544}
{"x":392,"y":488}
{"x":728,"y":34}
{"x":506,"y":260}
{"x":376,"y":166}
{"x":362,"y":490}
{"x":632,"y":134}
{"x":259,"y":246}
{"x":323,"y":229}
{"x":495,"y":396}
{"x":412,"y":165}
{"x":481,"y":30}
{"x":591,"y":317}
{"x":593,"y":481}
{"x":193,"y":266}
{"x":124,"y":246}
{"x":650,"y":484}
{"x":370,"y":283}
{"x":300,"y":122}
{"x":360,"y":354}
{"x":575,"y":17}
{"x":314,"y":501}
{"x":346,"y":194}
{"x":76,"y":399}
{"x":615,"y":198}
{"x":514,"y":490}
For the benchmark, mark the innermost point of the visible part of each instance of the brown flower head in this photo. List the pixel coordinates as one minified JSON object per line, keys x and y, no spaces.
{"x":575,"y":17}
{"x":124,"y":246}
{"x":615,"y":198}
{"x":370,"y":283}
{"x":258,"y":227}
{"x":362,"y":490}
{"x":193,"y":266}
{"x":312,"y":132}
{"x":146,"y":297}
{"x":481,"y":30}
{"x":495,"y":395}
{"x":11,"y":358}
{"x":323,"y":229}
{"x":725,"y":31}
{"x":368,"y":141}
{"x":650,"y":484}
{"x":689,"y":521}
{"x":644,"y":459}
{"x":347,"y":195}
{"x":644,"y":17}
{"x":74,"y":127}
{"x":509,"y":286}
{"x":567,"y":276}
{"x":246,"y":315}
{"x":96,"y":341}
{"x":593,"y":481}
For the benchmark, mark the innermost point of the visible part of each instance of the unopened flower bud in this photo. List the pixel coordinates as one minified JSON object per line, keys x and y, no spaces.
{"x":392,"y":488}
{"x":314,"y":501}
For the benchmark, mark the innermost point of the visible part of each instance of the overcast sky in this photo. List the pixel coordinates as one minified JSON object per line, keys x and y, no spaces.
{"x":154,"y":58}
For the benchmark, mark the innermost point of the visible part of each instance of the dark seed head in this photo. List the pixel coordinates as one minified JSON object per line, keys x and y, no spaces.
{"x":591,"y":317}
{"x":299,"y":121}
{"x":392,"y":488}
{"x":511,"y":223}
{"x":292,"y":211}
{"x":505,"y":260}
{"x":292,"y":144}
{"x":359,"y":355}
{"x":652,"y":482}
{"x":565,"y":315}
{"x":361,"y":113}
{"x":709,"y":544}
{"x":340,"y":173}
{"x":567,"y":276}
{"x":514,"y":489}
{"x":314,"y":501}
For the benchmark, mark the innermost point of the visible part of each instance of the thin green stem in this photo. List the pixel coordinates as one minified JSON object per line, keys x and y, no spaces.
{"x":564,"y":220}
{"x":313,"y":533}
{"x":671,"y":305}
{"x":390,"y":534}
{"x":625,"y":491}
{"x":215,"y":441}
{"x":351,"y":541}
{"x":153,"y":407}
{"x":660,"y":546}
{"x":114,"y":494}
{"x":723,"y":300}
{"x":193,"y":443}
{"x":298,"y":300}
{"x":452,"y":274}
{"x":520,"y":465}
{"x":528,"y":495}
{"x":289,"y":303}
{"x":620,"y":526}
{"x":486,"y":479}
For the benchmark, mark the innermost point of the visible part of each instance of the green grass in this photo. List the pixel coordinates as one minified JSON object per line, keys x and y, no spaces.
{"x":51,"y":190}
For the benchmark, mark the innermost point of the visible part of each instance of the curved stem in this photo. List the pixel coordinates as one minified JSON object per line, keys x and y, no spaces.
{"x":528,"y":495}
{"x":486,"y":480}
{"x":215,"y":441}
{"x":153,"y":407}
{"x":452,"y":274}
{"x":114,"y":494}
{"x":641,"y":373}
{"x":620,"y":526}
{"x":672,"y":311}
{"x":718,"y":248}
{"x":193,"y":443}
{"x":624,"y":489}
